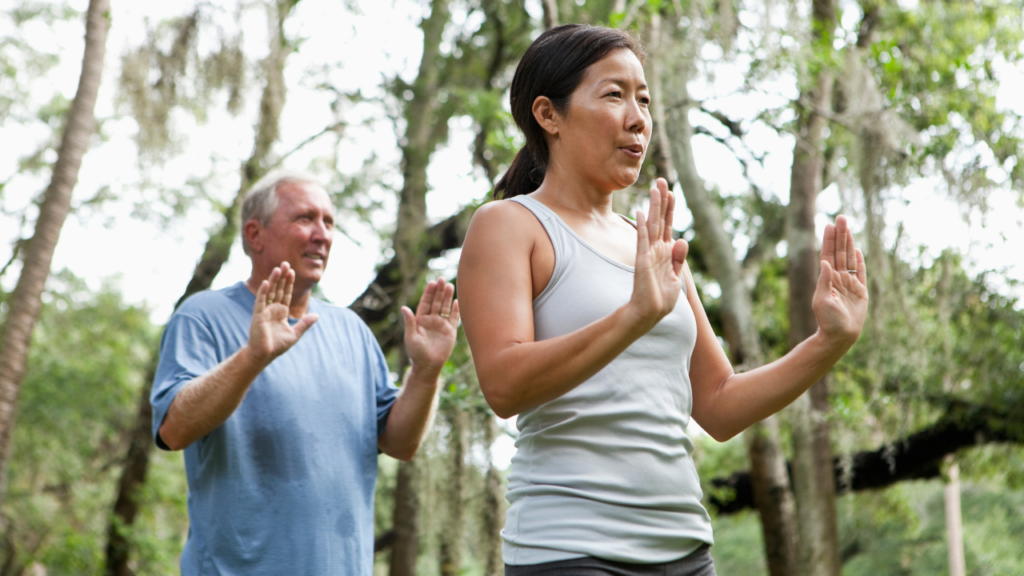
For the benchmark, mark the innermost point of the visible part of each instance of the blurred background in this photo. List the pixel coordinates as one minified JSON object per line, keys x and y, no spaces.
{"x":771,"y":118}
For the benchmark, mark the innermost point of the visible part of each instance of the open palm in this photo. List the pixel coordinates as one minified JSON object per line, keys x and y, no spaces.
{"x":840,"y":300}
{"x":270,"y":334}
{"x":658,"y":279}
{"x":430,"y":332}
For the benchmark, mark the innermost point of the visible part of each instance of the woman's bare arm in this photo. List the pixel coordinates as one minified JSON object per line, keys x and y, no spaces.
{"x":724,"y":403}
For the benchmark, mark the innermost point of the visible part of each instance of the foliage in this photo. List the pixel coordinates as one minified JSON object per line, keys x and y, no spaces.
{"x":88,"y":356}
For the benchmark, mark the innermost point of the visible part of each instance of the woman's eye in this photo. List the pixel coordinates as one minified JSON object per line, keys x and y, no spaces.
{"x":616,"y":94}
{"x":645,"y":101}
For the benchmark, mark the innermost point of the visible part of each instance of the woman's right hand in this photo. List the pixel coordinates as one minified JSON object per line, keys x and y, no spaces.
{"x":658,"y":277}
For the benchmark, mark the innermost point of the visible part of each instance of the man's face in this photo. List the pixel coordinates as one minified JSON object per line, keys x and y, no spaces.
{"x":300,"y":233}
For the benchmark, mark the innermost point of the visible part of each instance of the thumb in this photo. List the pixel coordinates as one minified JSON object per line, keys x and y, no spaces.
{"x":304,"y":323}
{"x":410,"y":319}
{"x":679,"y":251}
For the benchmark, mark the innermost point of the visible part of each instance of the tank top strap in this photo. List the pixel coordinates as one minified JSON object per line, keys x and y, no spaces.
{"x":562,"y":241}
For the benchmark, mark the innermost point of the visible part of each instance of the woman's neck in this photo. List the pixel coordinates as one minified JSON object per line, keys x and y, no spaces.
{"x":574,"y":192}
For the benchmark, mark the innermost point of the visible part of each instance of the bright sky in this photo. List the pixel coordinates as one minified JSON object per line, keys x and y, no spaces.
{"x":152,"y":263}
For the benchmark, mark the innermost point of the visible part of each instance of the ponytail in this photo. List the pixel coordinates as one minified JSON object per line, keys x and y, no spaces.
{"x":522,"y":177}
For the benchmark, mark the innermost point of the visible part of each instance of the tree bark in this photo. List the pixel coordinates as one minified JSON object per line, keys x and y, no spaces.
{"x":426,"y":127}
{"x":673,"y":137}
{"x":550,"y":13}
{"x":493,"y":509}
{"x":454,"y":528}
{"x":26,"y":301}
{"x":215,"y":254}
{"x":406,"y":546}
{"x":813,"y":474}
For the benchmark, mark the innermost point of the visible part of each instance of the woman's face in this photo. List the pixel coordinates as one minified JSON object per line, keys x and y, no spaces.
{"x":603,"y":137}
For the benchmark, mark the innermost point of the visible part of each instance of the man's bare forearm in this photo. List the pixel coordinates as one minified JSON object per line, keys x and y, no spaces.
{"x":206,"y":402}
{"x":411,"y":416}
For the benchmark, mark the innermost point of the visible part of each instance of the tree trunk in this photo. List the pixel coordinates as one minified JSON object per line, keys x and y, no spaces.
{"x":768,"y":469}
{"x":494,"y":508}
{"x":550,"y":13}
{"x":454,"y":528}
{"x":26,"y":301}
{"x":426,"y":127}
{"x":813,"y":476}
{"x":215,"y":254}
{"x":954,"y":526}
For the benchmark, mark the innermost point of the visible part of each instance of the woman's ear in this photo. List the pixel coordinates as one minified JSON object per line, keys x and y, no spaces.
{"x":546,"y":115}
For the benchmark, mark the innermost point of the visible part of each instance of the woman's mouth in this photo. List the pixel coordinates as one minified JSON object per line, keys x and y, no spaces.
{"x":633,"y":151}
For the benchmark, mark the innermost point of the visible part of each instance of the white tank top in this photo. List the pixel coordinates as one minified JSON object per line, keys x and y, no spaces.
{"x":605,"y":470}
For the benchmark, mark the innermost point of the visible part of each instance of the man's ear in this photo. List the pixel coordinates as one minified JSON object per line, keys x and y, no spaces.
{"x":253,"y":235}
{"x":546,"y":115}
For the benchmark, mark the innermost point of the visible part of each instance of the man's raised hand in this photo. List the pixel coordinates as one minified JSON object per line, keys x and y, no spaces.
{"x":430,"y":332}
{"x":270,"y":334}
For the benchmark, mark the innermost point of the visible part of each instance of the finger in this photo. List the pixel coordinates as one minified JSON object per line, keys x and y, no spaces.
{"x":261,"y":298}
{"x":304,"y":323}
{"x":670,"y":208}
{"x":289,"y":284}
{"x":841,"y":257}
{"x":851,"y":251}
{"x":654,"y":219}
{"x":282,"y":281}
{"x":862,"y":269}
{"x":275,"y":277}
{"x":437,"y":302}
{"x":423,"y":308}
{"x":453,"y":319}
{"x":828,"y":245}
{"x":446,"y":302}
{"x":642,"y":242}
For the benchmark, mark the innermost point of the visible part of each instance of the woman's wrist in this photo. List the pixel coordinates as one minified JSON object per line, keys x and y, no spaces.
{"x":637,"y":320}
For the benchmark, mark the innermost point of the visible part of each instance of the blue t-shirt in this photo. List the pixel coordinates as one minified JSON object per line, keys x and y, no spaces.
{"x":286,"y":484}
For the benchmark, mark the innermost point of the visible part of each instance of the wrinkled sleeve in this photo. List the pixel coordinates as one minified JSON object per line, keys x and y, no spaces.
{"x":386,"y":391}
{"x":187,"y":351}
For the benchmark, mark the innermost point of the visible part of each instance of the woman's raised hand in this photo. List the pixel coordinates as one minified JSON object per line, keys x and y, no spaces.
{"x":840,"y":300}
{"x":658,"y":279}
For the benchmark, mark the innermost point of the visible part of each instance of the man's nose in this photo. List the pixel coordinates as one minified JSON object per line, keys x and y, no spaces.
{"x":321,"y":231}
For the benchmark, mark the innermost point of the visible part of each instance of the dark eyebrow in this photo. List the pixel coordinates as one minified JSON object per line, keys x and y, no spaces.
{"x":622,"y":82}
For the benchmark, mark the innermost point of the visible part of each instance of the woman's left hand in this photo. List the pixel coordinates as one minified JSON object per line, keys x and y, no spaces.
{"x":840,"y":300}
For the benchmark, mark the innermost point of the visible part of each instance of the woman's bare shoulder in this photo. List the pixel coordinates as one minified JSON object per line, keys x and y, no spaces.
{"x":505,"y":219}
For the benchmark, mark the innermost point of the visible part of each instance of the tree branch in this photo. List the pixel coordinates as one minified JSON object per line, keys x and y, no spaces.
{"x":915,"y":457}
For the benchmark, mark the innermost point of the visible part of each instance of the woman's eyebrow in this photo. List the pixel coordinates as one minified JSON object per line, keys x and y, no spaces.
{"x":622,"y":82}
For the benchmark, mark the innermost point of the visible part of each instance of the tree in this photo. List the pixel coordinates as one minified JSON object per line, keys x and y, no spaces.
{"x":25,"y":302}
{"x":218,"y":248}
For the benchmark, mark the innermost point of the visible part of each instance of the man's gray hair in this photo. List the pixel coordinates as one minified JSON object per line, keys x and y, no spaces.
{"x":261,"y":201}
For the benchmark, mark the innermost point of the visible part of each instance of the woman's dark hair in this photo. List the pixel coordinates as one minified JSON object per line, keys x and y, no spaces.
{"x":553,"y":66}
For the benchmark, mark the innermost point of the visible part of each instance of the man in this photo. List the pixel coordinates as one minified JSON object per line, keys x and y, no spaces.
{"x":281,"y":401}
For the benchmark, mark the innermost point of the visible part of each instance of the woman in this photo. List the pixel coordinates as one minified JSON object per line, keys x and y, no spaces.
{"x":589,"y":328}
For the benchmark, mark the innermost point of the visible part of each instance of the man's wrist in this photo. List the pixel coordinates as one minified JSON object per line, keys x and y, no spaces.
{"x":253,"y":361}
{"x":425,"y":376}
